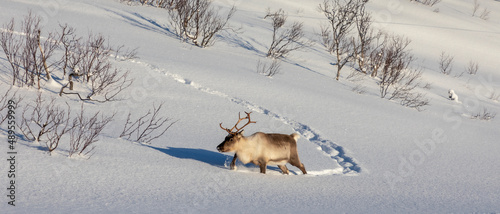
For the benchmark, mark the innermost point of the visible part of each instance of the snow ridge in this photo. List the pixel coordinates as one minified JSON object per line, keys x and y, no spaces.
{"x":328,"y":147}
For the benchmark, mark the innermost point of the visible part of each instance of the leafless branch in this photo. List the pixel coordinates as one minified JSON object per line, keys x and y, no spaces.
{"x":341,"y":15}
{"x":26,"y":52}
{"x":62,"y":127}
{"x":397,"y":78}
{"x":8,"y":95}
{"x":285,"y":40}
{"x":363,"y":44}
{"x":69,"y":42}
{"x":395,"y":61}
{"x":445,"y":63}
{"x":475,"y":7}
{"x":484,"y":115}
{"x":427,"y":2}
{"x":414,"y":100}
{"x":269,"y":69}
{"x":147,"y":127}
{"x":494,"y":96}
{"x":485,"y":14}
{"x":86,"y":131}
{"x":125,"y":54}
{"x":197,"y":21}
{"x":11,"y":46}
{"x":92,"y":61}
{"x":472,"y":68}
{"x":45,"y":118}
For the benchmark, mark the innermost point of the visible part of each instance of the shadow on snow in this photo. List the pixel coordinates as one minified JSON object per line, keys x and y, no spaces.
{"x":201,"y":155}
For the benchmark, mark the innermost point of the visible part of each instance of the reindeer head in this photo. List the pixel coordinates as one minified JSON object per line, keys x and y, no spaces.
{"x":229,"y":143}
{"x":233,"y":137}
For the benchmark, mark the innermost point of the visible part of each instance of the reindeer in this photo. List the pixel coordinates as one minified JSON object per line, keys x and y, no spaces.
{"x":261,"y":148}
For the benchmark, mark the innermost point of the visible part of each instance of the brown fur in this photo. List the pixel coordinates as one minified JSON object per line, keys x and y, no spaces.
{"x":262,"y":149}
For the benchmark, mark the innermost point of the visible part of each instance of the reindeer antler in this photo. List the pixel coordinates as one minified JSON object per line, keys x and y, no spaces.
{"x":230,"y":131}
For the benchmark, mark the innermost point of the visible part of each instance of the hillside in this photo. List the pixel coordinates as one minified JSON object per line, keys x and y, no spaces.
{"x":363,"y":153}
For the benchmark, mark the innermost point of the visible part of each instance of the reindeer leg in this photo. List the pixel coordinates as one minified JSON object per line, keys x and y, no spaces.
{"x":302,"y":168}
{"x":263,"y":168}
{"x":283,"y":169}
{"x":233,"y":163}
{"x":299,"y":165}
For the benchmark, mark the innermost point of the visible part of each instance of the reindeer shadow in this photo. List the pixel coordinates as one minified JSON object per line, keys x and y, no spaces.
{"x":202,"y":155}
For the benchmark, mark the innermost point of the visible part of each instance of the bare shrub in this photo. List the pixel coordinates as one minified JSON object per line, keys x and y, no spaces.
{"x":472,"y":67}
{"x":11,"y":46}
{"x":9,"y":96}
{"x":427,"y":86}
{"x":484,"y":115}
{"x":182,"y":14}
{"x":415,"y":100}
{"x":70,"y":44}
{"x":32,"y":59}
{"x":269,"y":69}
{"x":395,"y":61}
{"x":211,"y":24}
{"x":376,"y":57}
{"x":124,"y":54}
{"x":445,"y":63}
{"x":427,"y":2}
{"x":45,"y":119}
{"x":397,"y":78}
{"x":36,"y":54}
{"x":25,"y":52}
{"x":108,"y":84}
{"x":406,"y":81}
{"x":162,"y":3}
{"x":404,"y":90}
{"x":197,"y":21}
{"x":86,"y":131}
{"x":495,"y":96}
{"x":287,"y":40}
{"x":95,"y":54}
{"x":47,"y":49}
{"x":63,"y":126}
{"x":485,"y":14}
{"x":91,"y":61}
{"x":475,"y":7}
{"x":29,"y":54}
{"x":364,"y":43}
{"x":147,"y":127}
{"x":335,"y":36}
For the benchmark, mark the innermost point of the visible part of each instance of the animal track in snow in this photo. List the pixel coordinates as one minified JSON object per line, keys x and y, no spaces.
{"x":328,"y":147}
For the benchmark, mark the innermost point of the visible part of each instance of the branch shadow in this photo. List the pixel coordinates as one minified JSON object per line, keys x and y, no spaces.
{"x":137,"y":20}
{"x":238,"y":41}
{"x":5,"y":70}
{"x":441,"y":27}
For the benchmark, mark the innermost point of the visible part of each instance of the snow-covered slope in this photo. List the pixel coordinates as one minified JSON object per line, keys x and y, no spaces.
{"x":363,"y":154}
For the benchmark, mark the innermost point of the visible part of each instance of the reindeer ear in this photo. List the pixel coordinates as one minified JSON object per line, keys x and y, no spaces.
{"x":241,"y":133}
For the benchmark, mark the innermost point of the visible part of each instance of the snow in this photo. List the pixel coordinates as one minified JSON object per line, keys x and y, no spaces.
{"x":363,"y":154}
